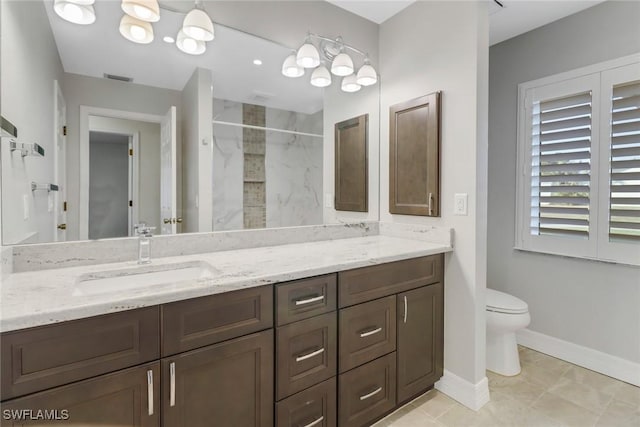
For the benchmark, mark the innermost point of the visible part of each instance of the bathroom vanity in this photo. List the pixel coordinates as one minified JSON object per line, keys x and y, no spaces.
{"x":342,"y":347}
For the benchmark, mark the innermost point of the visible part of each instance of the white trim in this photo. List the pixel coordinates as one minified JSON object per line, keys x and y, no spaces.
{"x":607,"y":364}
{"x":473,"y":396}
{"x":85,"y":112}
{"x":134,"y":181}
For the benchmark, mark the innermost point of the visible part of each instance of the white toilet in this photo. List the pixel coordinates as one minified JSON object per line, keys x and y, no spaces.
{"x":506,"y":314}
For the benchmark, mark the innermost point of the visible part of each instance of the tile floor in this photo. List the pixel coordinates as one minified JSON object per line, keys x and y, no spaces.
{"x":549,"y":392}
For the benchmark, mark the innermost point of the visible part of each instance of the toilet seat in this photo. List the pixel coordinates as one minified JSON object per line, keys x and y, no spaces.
{"x":500,"y":302}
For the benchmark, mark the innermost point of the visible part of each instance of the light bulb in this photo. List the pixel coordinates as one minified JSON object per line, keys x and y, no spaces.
{"x":142,"y":12}
{"x":137,"y":32}
{"x":349,"y":84}
{"x":189,"y":44}
{"x":342,"y":65}
{"x":321,"y":77}
{"x":72,"y":12}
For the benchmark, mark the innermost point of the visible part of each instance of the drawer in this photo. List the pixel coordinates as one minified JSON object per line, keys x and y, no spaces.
{"x":305,"y":298}
{"x":367,"y":393}
{"x":367,"y":331}
{"x":128,"y":398}
{"x":49,"y":356}
{"x":306,"y":353}
{"x":315,"y":406}
{"x":368,"y":283}
{"x":194,"y":323}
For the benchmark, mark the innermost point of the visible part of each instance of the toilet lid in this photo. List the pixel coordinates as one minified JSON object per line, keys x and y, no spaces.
{"x":505,"y":303}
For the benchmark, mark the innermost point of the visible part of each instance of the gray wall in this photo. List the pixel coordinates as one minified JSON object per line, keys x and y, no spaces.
{"x":108,"y":185}
{"x":589,"y":303}
{"x":30,"y":64}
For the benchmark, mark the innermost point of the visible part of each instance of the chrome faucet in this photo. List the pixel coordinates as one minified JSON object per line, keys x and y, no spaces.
{"x":144,"y":242}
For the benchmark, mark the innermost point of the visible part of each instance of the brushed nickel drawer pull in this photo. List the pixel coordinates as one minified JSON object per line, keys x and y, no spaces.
{"x":406,"y":309}
{"x":430,"y":203}
{"x":369,"y":333}
{"x":150,"y":391}
{"x":373,"y":393}
{"x":316,"y":422}
{"x":172,"y":384}
{"x":309,"y":300}
{"x":309,"y":355}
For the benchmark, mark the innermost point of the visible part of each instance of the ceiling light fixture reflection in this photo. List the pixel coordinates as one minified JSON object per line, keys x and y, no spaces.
{"x":367,"y":75}
{"x":308,"y":56}
{"x":350,"y":84}
{"x":290,"y":67}
{"x":144,"y":10}
{"x":136,"y":30}
{"x":190,"y":45}
{"x":321,"y":77}
{"x":342,"y":65}
{"x":76,"y":11}
{"x":197,"y":24}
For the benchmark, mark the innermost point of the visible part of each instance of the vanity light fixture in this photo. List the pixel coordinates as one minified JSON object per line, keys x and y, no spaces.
{"x":350,"y":84}
{"x":76,"y":11}
{"x":290,"y":67}
{"x":317,"y":49}
{"x":136,"y":30}
{"x":190,"y":45}
{"x":197,"y":24}
{"x":144,"y":10}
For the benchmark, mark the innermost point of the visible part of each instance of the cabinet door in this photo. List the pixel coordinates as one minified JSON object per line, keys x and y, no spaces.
{"x":226,"y":384}
{"x":420,"y":339}
{"x":414,"y":157}
{"x":125,"y":398}
{"x":307,"y":353}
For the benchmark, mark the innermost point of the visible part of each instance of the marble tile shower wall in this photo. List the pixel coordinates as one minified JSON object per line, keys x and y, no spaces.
{"x":292,"y":169}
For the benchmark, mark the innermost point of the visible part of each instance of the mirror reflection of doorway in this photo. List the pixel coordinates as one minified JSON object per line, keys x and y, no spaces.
{"x":111,"y":183}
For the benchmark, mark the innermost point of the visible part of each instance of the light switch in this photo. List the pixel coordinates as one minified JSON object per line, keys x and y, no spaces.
{"x":328,"y":200}
{"x":460,"y":204}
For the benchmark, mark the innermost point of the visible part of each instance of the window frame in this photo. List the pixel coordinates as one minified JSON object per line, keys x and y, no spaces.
{"x":599,"y":79}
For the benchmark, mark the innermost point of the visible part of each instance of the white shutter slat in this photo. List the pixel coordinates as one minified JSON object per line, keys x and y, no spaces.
{"x":624,"y":203}
{"x":566,"y":135}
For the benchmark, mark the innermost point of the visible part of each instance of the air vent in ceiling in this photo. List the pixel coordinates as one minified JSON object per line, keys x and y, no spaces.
{"x":119,"y":78}
{"x":261,"y":97}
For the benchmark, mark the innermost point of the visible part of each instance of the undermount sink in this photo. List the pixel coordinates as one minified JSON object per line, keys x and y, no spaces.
{"x":139,"y":277}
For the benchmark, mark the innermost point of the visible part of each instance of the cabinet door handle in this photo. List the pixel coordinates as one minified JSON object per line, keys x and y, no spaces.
{"x":172,"y":384}
{"x":150,"y":391}
{"x":309,"y":355}
{"x":373,"y":393}
{"x":371,"y":332}
{"x":430,"y":203}
{"x":406,"y":309}
{"x":309,"y":300}
{"x":316,"y":422}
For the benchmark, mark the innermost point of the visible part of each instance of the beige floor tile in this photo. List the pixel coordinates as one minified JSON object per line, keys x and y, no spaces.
{"x":583,"y":395}
{"x":544,"y":372}
{"x":620,"y":414}
{"x":516,"y":387}
{"x":628,"y":393}
{"x":460,"y":416}
{"x":413,"y":418}
{"x":534,"y":418}
{"x":434,"y":403}
{"x":593,"y":379}
{"x":564,"y":411}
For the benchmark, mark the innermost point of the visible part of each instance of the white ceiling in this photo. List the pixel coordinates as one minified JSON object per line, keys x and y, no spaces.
{"x":377,"y":11}
{"x":99,"y":48}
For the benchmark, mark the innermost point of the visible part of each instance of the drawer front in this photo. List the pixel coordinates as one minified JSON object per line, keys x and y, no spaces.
{"x":306,"y":298}
{"x":128,"y":398}
{"x":367,"y":331}
{"x":306,"y":353}
{"x":368,"y":392}
{"x":49,"y":356}
{"x":368,"y":283}
{"x":194,"y":323}
{"x":313,"y":407}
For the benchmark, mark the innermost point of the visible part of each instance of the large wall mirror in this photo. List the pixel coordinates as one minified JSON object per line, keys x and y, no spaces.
{"x":138,"y":133}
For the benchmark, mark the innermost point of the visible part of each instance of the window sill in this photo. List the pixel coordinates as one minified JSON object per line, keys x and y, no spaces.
{"x":563,"y":255}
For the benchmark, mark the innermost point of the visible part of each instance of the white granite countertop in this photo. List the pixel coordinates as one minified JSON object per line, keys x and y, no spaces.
{"x":48,"y":296}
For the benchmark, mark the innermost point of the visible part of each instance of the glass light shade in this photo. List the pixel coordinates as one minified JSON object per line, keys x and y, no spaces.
{"x":367,"y":75}
{"x":321,"y":77}
{"x":350,"y":84}
{"x":342,"y":65}
{"x":190,"y":45}
{"x":198,"y":25}
{"x":290,"y":67}
{"x":144,"y":10}
{"x":308,"y":56}
{"x":75,"y":11}
{"x":136,"y":30}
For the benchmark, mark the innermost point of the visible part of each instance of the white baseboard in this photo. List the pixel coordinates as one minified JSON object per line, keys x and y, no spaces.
{"x":473,"y":396}
{"x":595,"y":360}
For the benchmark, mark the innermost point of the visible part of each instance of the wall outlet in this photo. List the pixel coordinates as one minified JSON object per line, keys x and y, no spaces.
{"x":328,"y":200}
{"x":460,"y":204}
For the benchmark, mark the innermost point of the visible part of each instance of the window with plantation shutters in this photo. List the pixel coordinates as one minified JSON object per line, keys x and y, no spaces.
{"x":578,"y":182}
{"x":561,"y":166}
{"x":624,"y":206}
